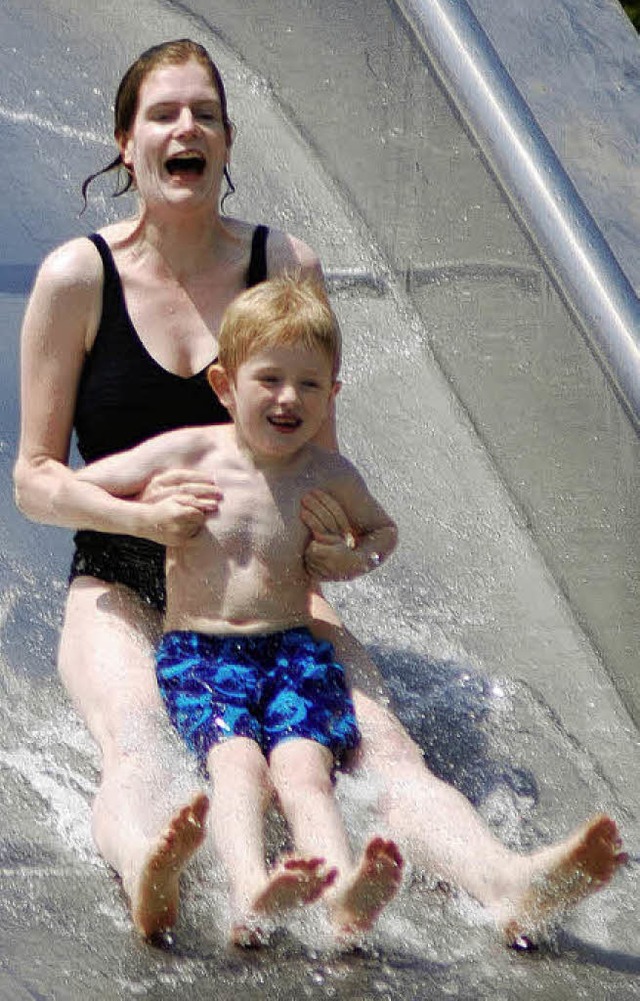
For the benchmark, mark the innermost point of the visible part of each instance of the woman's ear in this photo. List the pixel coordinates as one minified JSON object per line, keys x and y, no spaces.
{"x":124,"y":145}
{"x":220,"y":384}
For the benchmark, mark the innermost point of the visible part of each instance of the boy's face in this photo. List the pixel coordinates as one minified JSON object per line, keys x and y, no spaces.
{"x":280,"y":399}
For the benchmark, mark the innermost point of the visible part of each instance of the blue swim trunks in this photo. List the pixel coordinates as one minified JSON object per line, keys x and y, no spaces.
{"x":270,"y":688}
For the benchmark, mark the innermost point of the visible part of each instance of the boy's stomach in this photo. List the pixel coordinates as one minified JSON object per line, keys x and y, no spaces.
{"x":244,"y":599}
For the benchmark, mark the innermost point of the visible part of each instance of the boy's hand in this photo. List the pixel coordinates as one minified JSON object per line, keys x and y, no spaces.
{"x":330,"y":553}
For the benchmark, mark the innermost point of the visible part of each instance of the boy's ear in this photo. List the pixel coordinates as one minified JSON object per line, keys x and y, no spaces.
{"x":335,"y":389}
{"x":220,"y":384}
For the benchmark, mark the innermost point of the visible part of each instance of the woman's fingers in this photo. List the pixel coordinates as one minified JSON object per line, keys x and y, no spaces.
{"x":181,"y":482}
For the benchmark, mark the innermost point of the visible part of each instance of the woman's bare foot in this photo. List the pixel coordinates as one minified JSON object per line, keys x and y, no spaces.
{"x":561,"y":876}
{"x":363,"y":895}
{"x":153,"y":888}
{"x":295,"y":882}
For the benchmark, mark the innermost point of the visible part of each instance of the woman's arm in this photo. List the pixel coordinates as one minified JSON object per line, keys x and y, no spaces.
{"x":59,"y":326}
{"x":177,"y":515}
{"x":60,"y":322}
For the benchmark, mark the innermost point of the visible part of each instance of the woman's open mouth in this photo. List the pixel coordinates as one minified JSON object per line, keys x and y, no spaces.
{"x":190,"y":162}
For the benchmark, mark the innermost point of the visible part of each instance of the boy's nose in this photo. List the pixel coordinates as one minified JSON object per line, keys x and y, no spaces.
{"x":288,"y":393}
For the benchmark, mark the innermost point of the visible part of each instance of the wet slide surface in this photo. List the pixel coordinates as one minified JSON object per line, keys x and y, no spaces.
{"x":505,"y":622}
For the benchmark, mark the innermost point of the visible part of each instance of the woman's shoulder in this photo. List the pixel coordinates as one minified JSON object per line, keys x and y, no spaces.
{"x":75,"y":259}
{"x":286,"y":252}
{"x":76,"y":264}
{"x":73,"y":267}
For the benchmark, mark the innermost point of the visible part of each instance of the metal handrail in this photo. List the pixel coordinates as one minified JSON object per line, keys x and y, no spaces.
{"x":573,"y":247}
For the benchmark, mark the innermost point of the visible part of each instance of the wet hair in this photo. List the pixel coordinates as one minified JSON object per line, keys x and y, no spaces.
{"x":287,"y":310}
{"x":172,"y":53}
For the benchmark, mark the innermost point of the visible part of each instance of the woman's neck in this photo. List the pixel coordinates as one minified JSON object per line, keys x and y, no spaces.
{"x":188,"y":244}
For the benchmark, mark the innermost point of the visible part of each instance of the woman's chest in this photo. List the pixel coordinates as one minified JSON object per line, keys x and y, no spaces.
{"x":178,"y":323}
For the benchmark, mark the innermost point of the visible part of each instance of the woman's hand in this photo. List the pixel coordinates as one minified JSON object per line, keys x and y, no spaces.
{"x":172,"y":521}
{"x":329,"y":555}
{"x":184,"y":483}
{"x":178,"y":503}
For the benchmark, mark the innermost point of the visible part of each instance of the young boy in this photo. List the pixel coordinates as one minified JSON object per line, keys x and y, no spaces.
{"x":243,"y":679}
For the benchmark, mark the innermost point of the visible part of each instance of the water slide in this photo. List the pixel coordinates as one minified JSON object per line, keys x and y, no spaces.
{"x":469,"y":174}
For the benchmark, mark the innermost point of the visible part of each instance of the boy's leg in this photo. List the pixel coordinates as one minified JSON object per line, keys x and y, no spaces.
{"x":301,"y":772}
{"x":241,"y":793}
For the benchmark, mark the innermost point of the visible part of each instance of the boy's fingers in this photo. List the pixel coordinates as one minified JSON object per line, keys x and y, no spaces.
{"x":327,"y":510}
{"x":312,"y":522}
{"x":320,"y":534}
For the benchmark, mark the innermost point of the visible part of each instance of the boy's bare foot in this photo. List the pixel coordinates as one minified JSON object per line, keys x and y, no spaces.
{"x":296,"y":881}
{"x":153,"y":890}
{"x":369,"y":889}
{"x":563,"y":875}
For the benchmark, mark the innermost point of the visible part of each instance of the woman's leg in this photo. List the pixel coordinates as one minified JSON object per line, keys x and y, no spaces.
{"x":440,"y":830}
{"x":149,"y":812}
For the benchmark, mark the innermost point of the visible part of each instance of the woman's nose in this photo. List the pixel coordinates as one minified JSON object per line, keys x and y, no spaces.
{"x":186,"y":121}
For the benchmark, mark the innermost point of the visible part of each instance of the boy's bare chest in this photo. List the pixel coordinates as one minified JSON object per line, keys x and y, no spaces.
{"x":259,"y":517}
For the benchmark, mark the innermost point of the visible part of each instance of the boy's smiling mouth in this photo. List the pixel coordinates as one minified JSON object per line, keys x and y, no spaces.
{"x":284,"y":422}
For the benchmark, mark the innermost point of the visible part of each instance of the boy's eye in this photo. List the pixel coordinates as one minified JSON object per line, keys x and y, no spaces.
{"x":311,"y":384}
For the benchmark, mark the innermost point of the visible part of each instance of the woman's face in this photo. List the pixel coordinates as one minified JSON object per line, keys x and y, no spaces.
{"x":177,"y":147}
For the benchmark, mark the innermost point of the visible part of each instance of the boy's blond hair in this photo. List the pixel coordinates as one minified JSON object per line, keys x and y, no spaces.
{"x":287,"y":310}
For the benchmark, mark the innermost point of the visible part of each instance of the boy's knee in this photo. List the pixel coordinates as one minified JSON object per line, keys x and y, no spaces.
{"x":238,"y":763}
{"x":306,"y":778}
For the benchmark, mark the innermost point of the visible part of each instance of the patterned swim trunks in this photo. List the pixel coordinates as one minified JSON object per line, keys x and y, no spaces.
{"x":269,"y":687}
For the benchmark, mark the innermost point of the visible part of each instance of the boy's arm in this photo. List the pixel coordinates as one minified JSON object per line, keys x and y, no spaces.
{"x":339,"y":549}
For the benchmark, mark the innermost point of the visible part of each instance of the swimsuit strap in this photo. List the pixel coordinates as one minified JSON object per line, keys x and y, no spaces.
{"x":108,"y":263}
{"x":257,"y":270}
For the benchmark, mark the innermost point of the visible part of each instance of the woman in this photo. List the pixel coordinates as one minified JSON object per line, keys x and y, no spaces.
{"x":119,"y":332}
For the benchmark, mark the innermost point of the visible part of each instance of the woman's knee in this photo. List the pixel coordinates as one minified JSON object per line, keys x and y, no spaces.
{"x":385,"y":744}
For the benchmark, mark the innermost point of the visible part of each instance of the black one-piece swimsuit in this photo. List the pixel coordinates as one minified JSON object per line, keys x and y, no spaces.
{"x":125,"y":397}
